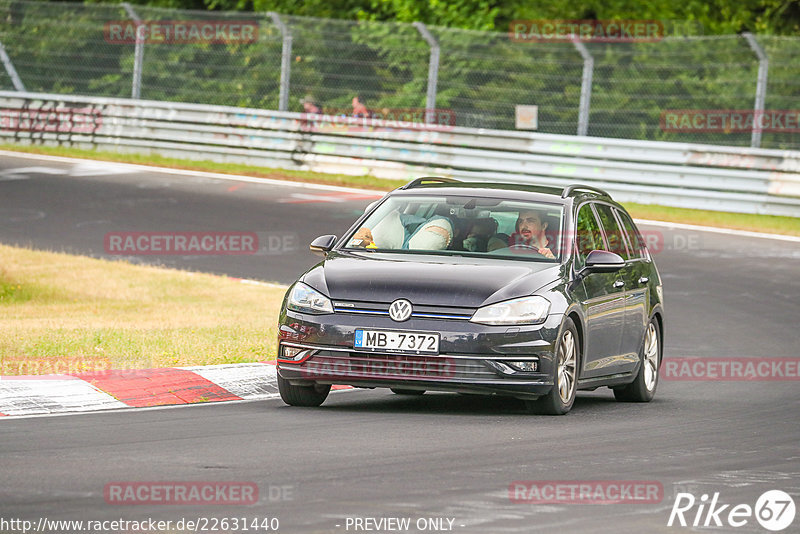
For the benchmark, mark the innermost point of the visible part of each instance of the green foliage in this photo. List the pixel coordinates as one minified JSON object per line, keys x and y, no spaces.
{"x":343,"y":48}
{"x":715,"y":17}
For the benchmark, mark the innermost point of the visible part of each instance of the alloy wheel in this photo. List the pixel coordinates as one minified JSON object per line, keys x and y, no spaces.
{"x":651,"y":357}
{"x":566,"y":367}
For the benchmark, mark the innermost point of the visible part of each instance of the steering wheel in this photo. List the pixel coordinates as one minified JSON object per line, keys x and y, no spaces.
{"x":529,"y":249}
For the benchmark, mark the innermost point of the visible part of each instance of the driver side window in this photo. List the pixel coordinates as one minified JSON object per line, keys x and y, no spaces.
{"x":587,"y":235}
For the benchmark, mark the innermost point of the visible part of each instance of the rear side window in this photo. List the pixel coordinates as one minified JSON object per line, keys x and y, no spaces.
{"x":632,"y":234}
{"x":616,"y":243}
{"x":588,"y":236}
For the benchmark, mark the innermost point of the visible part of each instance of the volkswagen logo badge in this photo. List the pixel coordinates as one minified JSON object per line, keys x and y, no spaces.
{"x":400,"y":310}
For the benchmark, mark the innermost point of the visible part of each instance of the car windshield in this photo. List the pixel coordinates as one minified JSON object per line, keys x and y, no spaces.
{"x":462,"y":225}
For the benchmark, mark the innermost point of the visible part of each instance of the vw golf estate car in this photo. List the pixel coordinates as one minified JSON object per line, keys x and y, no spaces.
{"x":478,"y":288}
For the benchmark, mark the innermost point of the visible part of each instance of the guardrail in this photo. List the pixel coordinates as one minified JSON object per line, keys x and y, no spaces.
{"x":672,"y":174}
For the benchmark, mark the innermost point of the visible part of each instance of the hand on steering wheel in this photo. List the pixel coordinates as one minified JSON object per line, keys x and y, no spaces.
{"x":531,"y":249}
{"x":527,"y":248}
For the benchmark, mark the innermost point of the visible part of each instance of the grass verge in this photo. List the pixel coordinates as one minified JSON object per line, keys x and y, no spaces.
{"x":770,"y":224}
{"x":64,"y":313}
{"x":738,"y":221}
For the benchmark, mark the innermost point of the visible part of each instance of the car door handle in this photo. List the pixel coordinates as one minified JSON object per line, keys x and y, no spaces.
{"x":619,"y":283}
{"x":643,"y":280}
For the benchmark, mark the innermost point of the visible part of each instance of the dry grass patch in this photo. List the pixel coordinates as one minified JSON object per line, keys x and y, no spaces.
{"x":78,"y":312}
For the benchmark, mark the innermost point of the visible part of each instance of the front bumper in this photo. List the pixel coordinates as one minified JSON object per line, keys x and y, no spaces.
{"x":472,"y":358}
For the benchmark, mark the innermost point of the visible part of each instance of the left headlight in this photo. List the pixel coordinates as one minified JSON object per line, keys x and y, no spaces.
{"x":525,"y":310}
{"x":306,"y":299}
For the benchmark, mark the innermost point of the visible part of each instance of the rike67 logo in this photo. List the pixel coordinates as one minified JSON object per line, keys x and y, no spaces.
{"x":774,"y":510}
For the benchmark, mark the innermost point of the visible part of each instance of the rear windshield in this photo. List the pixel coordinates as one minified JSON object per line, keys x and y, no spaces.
{"x":462,"y":225}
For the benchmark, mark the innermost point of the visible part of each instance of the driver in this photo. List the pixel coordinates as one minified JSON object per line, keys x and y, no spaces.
{"x":531,"y":232}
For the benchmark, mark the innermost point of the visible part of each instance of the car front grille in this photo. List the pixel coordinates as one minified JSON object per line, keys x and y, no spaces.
{"x":419,"y":311}
{"x":388,"y":366}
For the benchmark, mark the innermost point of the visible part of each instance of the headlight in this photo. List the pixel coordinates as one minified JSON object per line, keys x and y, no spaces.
{"x":525,"y":310}
{"x":303,"y":298}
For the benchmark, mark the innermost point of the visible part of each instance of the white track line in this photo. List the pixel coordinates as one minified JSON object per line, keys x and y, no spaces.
{"x":136,"y":409}
{"x":202,"y":174}
{"x":727,"y":231}
{"x":322,"y":187}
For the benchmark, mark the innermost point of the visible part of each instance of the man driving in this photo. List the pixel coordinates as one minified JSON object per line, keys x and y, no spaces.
{"x":531,"y":233}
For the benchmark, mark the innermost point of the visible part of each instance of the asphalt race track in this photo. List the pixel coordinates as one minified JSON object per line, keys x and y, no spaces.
{"x":372,"y":454}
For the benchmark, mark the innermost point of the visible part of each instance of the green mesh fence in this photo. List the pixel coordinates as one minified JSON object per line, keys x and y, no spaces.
{"x":482,"y":76}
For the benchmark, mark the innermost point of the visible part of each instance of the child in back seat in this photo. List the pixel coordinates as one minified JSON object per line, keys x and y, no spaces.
{"x":479,"y":234}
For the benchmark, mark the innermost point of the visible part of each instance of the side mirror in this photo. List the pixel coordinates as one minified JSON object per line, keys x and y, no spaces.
{"x":323,"y":244}
{"x":602,"y":261}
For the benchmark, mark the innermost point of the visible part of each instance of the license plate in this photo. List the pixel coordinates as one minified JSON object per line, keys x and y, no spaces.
{"x":397,"y":341}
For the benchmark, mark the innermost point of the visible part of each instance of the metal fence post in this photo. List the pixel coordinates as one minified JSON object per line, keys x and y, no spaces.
{"x":586,"y":86}
{"x":12,"y":72}
{"x":286,"y":61}
{"x":138,"y":54}
{"x":433,"y":72}
{"x":761,"y":88}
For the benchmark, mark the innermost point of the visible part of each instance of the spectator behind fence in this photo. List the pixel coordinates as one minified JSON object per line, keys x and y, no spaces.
{"x":310,"y":104}
{"x":359,"y":109}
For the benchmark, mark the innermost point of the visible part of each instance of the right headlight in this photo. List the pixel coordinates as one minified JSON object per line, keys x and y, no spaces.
{"x":525,"y":310}
{"x":306,"y":299}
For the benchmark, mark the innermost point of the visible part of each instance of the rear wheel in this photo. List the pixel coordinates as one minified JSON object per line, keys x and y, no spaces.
{"x":643,"y":387}
{"x":400,"y":391}
{"x":562,"y":396}
{"x":312,"y":395}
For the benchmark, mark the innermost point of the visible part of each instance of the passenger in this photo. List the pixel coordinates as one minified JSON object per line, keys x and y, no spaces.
{"x":403,"y":231}
{"x":479,"y":235}
{"x":435,"y":234}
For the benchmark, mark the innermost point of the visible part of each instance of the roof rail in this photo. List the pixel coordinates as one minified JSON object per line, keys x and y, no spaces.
{"x":570,"y":188}
{"x":431,"y":179}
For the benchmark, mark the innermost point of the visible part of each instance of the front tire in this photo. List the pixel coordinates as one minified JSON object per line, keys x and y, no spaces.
{"x":643,"y":387}
{"x":312,"y":395}
{"x":562,"y":396}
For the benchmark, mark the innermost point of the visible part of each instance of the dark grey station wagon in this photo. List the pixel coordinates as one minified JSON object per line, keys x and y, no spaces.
{"x":478,"y":288}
